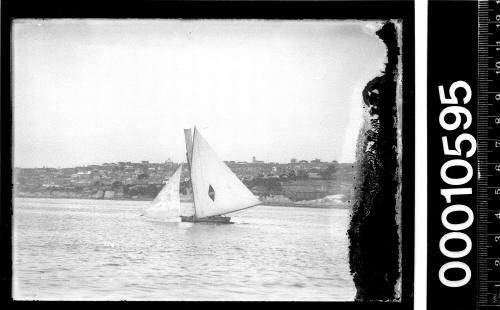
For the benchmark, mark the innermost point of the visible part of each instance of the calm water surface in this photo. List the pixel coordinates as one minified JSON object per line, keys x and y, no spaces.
{"x":103,"y":250}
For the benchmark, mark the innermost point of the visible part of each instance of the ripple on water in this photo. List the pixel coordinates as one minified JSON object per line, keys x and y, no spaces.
{"x":111,"y":265}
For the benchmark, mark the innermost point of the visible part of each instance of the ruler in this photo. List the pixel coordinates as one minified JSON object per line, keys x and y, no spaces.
{"x":488,"y":154}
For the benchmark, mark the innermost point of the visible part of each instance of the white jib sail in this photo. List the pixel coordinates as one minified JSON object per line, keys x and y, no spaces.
{"x":167,"y":203}
{"x":216,"y":189}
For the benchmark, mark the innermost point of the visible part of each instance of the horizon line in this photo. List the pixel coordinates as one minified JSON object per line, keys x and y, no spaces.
{"x":174,"y":162}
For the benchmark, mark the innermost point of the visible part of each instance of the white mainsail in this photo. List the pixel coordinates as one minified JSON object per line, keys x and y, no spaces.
{"x":167,"y":203}
{"x":216,"y":189}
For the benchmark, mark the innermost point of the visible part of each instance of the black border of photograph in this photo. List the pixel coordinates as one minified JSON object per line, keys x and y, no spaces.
{"x":374,"y":235}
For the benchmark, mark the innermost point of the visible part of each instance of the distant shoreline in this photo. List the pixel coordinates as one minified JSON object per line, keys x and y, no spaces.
{"x":270,"y":204}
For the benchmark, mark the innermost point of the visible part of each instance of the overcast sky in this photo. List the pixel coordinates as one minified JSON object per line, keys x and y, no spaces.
{"x":95,"y":91}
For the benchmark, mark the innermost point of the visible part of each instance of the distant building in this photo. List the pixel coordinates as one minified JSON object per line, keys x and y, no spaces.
{"x":303,"y":162}
{"x":316,"y":161}
{"x":293,"y":160}
{"x":139,"y":170}
{"x":314,"y":175}
{"x":255,"y":161}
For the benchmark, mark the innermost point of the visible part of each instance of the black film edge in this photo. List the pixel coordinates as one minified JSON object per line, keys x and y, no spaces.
{"x":463,"y":150}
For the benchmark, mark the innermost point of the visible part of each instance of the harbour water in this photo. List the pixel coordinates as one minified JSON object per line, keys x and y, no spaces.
{"x":68,"y":249}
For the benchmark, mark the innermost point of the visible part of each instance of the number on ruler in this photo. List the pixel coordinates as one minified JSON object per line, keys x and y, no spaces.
{"x":497,"y":215}
{"x":497,"y":120}
{"x":497,"y":191}
{"x":497,"y":143}
{"x":497,"y":238}
{"x":497,"y":168}
{"x":497,"y":262}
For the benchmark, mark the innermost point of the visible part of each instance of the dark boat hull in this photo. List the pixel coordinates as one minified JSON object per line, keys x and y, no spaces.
{"x":210,"y":219}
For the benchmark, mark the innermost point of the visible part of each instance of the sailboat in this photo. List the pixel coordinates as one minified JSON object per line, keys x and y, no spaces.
{"x":167,"y":204}
{"x":216,"y":189}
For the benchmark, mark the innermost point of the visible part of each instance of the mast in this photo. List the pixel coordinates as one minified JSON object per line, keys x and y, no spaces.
{"x":189,"y":152}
